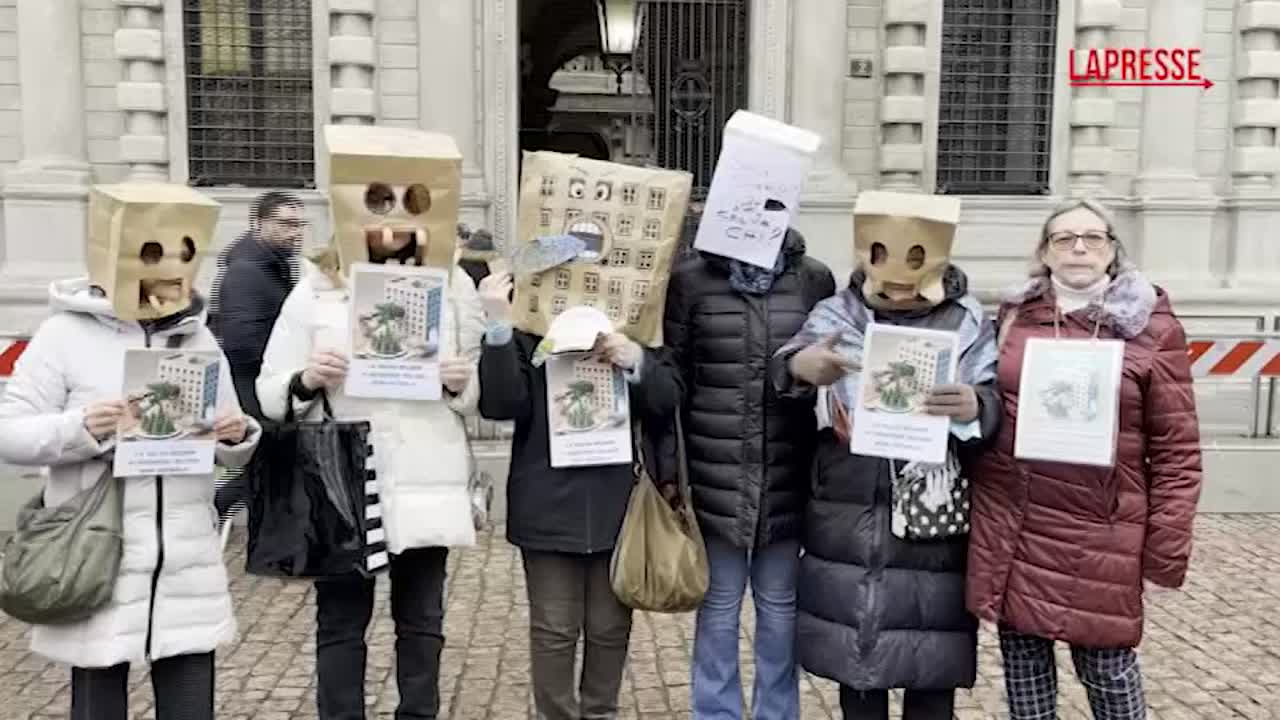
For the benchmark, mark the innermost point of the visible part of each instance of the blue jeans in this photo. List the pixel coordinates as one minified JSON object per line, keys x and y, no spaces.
{"x":717,"y":687}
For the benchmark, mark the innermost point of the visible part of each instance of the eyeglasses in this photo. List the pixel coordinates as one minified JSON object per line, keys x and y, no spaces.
{"x":1093,"y":240}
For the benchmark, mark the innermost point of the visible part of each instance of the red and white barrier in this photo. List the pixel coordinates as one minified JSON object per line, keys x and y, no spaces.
{"x":10,"y":349}
{"x":1234,"y":358}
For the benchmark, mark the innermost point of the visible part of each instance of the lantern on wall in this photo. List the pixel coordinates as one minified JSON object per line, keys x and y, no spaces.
{"x":619,"y":30}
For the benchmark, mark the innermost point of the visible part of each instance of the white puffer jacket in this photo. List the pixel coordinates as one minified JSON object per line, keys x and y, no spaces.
{"x":420,"y":450}
{"x":75,"y":359}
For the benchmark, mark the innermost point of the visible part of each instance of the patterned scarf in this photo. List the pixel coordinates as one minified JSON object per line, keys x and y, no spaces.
{"x":751,"y":279}
{"x":847,"y":315}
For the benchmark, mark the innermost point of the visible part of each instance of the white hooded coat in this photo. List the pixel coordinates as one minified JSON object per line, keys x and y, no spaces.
{"x":420,"y":450}
{"x":171,"y":596}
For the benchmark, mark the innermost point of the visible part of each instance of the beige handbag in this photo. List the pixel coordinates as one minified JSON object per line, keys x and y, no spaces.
{"x":660,"y":561}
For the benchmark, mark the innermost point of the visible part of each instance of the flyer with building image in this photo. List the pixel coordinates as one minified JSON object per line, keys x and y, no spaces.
{"x":171,"y":399}
{"x":397,"y":312}
{"x":1068,"y":401}
{"x":588,"y":410}
{"x":900,"y":367}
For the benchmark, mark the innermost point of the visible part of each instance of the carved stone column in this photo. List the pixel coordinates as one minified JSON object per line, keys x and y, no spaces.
{"x":141,"y":92}
{"x":1256,"y":159}
{"x":1177,"y":205}
{"x":818,"y":65}
{"x":352,"y":57}
{"x":902,"y":109}
{"x":450,"y":102}
{"x":1092,"y":108}
{"x":44,"y":194}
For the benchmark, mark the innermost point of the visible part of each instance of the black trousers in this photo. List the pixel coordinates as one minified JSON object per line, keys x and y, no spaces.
{"x":916,"y":704}
{"x":183,"y":686}
{"x":344,"y":608}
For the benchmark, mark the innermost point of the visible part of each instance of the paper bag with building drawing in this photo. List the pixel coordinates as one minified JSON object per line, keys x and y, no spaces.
{"x":145,"y":244}
{"x":598,"y":234}
{"x":395,"y":187}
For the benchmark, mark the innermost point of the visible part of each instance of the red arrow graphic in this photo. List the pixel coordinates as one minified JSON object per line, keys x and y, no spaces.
{"x":1205,"y":83}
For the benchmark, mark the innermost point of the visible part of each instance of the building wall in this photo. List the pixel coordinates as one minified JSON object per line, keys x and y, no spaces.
{"x":104,"y":123}
{"x":862,"y":95}
{"x":397,"y":77}
{"x":10,"y":98}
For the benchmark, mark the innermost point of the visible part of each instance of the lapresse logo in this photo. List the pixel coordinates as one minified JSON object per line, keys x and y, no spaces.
{"x":1137,"y":67}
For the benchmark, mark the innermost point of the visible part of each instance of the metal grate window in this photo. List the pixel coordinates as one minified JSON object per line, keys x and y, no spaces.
{"x":249,"y":92}
{"x":693,"y":56}
{"x":996,"y":90}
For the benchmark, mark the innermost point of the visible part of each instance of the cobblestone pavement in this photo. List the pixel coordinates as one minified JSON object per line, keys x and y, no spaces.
{"x":1211,"y":650}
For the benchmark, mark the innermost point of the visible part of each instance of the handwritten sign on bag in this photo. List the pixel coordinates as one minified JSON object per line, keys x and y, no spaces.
{"x":756,"y":188}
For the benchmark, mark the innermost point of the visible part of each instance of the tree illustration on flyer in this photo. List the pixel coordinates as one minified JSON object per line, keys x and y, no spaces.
{"x":398,"y":315}
{"x":171,"y":399}
{"x":588,"y":407}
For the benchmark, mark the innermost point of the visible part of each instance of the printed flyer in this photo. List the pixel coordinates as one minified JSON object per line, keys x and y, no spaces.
{"x":589,"y":411}
{"x":900,"y":367}
{"x":171,"y":399}
{"x":397,"y":312}
{"x":1068,"y":398}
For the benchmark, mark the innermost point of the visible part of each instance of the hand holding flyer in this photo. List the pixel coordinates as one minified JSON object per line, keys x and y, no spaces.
{"x":168,"y":425}
{"x":397,"y":316}
{"x":891,"y":414}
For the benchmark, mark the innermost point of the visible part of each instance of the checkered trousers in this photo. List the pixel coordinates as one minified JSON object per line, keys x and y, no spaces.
{"x":1111,"y":678}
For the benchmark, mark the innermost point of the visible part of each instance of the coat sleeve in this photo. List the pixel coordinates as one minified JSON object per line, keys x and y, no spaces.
{"x":36,"y":426}
{"x":660,"y":390}
{"x":668,"y":372}
{"x":506,"y":376}
{"x":239,"y":320}
{"x":1173,"y":459}
{"x":287,"y":353}
{"x":470,"y":324}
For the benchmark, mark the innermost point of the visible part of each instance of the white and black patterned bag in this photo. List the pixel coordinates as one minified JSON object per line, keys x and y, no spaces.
{"x":930,"y":502}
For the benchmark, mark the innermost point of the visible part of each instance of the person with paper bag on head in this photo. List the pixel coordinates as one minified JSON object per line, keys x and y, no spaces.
{"x":728,"y":311}
{"x":394,"y":200}
{"x":594,"y":249}
{"x":1069,"y":523}
{"x":881,"y":589}
{"x":169,"y":605}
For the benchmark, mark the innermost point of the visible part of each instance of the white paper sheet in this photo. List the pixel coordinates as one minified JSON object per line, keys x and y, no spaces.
{"x":588,"y":411}
{"x":900,"y":367}
{"x":397,"y":316}
{"x":167,"y":427}
{"x":1068,"y":398}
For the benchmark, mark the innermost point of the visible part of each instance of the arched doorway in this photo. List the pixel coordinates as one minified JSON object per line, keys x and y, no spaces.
{"x":686,"y":75}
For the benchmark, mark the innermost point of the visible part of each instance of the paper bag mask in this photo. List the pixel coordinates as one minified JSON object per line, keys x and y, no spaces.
{"x":756,"y":188}
{"x":145,"y":244}
{"x":618,"y":227}
{"x":903,"y":243}
{"x":390,"y":185}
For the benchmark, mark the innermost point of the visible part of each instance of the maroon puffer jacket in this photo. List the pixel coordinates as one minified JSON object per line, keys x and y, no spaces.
{"x":1060,"y":551}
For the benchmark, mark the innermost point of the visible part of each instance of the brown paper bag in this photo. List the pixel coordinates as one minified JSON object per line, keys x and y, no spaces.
{"x":630,"y":219}
{"x":387,"y":180}
{"x":145,"y":235}
{"x":905,"y":239}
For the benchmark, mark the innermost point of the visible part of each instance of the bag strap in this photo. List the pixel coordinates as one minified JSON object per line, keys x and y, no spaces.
{"x":638,"y":468}
{"x":1005,"y":324}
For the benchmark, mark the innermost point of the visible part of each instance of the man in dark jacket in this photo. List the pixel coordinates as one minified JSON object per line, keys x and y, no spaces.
{"x":749,"y":451}
{"x":255,"y":275}
{"x":566,"y":520}
{"x":881,"y":590}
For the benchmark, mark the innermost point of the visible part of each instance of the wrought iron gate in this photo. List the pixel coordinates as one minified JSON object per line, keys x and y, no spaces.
{"x":692,"y":54}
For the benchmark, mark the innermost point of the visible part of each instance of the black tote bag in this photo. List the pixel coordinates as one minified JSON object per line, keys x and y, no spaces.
{"x":314,"y":510}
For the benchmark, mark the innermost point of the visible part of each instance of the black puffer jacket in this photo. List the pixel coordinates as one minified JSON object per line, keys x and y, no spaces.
{"x":749,"y":450}
{"x":569,"y":510}
{"x":876,"y":611}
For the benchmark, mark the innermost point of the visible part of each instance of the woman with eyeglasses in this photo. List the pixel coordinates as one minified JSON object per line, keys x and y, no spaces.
{"x":1060,"y":551}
